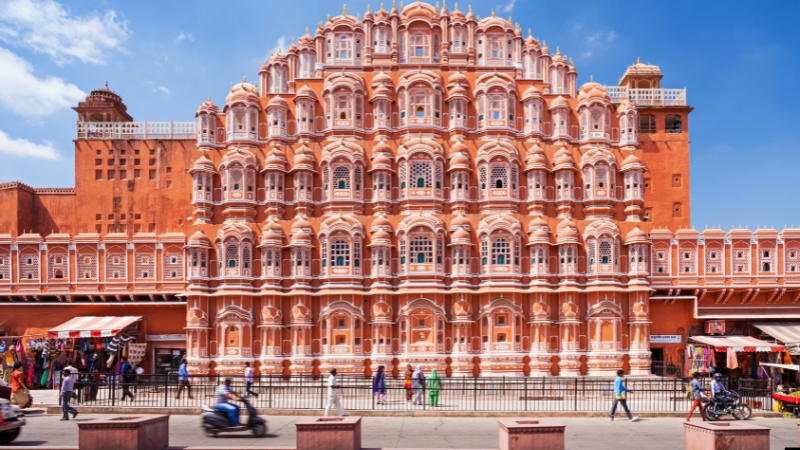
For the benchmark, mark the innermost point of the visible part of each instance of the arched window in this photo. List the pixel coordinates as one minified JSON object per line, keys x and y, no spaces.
{"x":421,"y":174}
{"x":344,"y":48}
{"x":422,"y":249}
{"x":501,"y":251}
{"x":232,"y":256}
{"x":420,"y":49}
{"x":341,"y":178}
{"x":340,"y":253}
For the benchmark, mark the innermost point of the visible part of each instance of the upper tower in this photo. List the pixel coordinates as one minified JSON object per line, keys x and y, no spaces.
{"x":103,"y":105}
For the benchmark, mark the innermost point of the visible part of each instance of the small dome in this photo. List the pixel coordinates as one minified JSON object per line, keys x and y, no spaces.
{"x":632,"y":162}
{"x":271,"y":314}
{"x":382,"y":78}
{"x":531,"y":92}
{"x":304,"y":92}
{"x":300,"y":312}
{"x":460,"y":221}
{"x":382,"y":147}
{"x":275,"y":158}
{"x":381,"y":235}
{"x":301,"y":223}
{"x":539,"y":236}
{"x":242,"y":92}
{"x":382,"y":310}
{"x":381,"y":160}
{"x":459,"y":146}
{"x":566,"y":223}
{"x":278,"y":102}
{"x":458,"y":91}
{"x":462,"y":309}
{"x":457,"y":78}
{"x":303,"y":157}
{"x":382,"y":221}
{"x":626,"y":106}
{"x":301,"y":236}
{"x":631,"y":159}
{"x":539,"y":222}
{"x":461,"y":236}
{"x":559,"y":102}
{"x":635,"y":235}
{"x":199,"y":238}
{"x":203,"y":164}
{"x":208,"y":107}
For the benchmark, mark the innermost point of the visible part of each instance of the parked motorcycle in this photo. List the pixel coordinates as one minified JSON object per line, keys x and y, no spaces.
{"x":216,"y":421}
{"x":714,"y":409}
{"x":10,"y":424}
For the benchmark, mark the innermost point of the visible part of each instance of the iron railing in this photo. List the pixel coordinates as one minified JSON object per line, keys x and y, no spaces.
{"x":505,"y":394}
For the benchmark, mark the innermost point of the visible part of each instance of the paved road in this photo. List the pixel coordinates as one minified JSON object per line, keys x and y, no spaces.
{"x":399,"y":432}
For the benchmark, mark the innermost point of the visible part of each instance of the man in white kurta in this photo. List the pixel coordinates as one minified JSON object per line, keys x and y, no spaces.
{"x":333,"y":395}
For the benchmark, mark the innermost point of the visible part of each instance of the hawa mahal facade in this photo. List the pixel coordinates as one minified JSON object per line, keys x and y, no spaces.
{"x":415,"y":186}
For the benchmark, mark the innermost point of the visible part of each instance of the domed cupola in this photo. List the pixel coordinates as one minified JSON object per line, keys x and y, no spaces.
{"x":462,"y":311}
{"x":301,"y":314}
{"x":270,"y":315}
{"x":203,"y":172}
{"x":382,"y":312}
{"x":274,"y":173}
{"x":303,"y":170}
{"x":305,"y":106}
{"x":594,"y":113}
{"x":241,"y":110}
{"x":300,"y":248}
{"x":381,"y":244}
{"x":206,"y":126}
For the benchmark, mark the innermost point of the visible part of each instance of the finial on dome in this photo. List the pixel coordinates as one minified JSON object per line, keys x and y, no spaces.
{"x":493,"y":15}
{"x":344,"y":10}
{"x":638,"y":60}
{"x":231,"y":85}
{"x":530,"y":33}
{"x":558,"y":50}
{"x":470,"y":8}
{"x":209,"y":99}
{"x":358,"y":17}
{"x":456,"y":6}
{"x":244,"y":78}
{"x":570,"y":62}
{"x":510,"y":20}
{"x":369,"y":7}
{"x":294,"y":41}
{"x":306,"y":31}
{"x":437,"y":7}
{"x":329,"y":17}
{"x":382,"y":6}
{"x":544,"y":44}
{"x":591,"y":78}
{"x":402,"y":6}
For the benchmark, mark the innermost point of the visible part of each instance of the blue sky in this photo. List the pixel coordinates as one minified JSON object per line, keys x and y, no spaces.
{"x":738,"y":61}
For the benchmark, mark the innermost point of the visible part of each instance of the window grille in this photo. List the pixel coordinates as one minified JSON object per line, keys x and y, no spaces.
{"x":58,"y":266}
{"x":499,"y":176}
{"x":482,"y":177}
{"x":116,"y":269}
{"x":357,"y":253}
{"x":792,"y":260}
{"x":439,"y":249}
{"x":421,"y":174}
{"x":145,"y":266}
{"x":5,"y":267}
{"x":713,"y":262}
{"x":421,"y":249}
{"x":358,"y":178}
{"x":766,"y":260}
{"x":686,"y":263}
{"x":341,"y":178}
{"x":591,"y":246}
{"x":661,"y":262}
{"x":403,"y":178}
{"x":604,"y":255}
{"x":173,"y":265}
{"x":232,"y":256}
{"x":29,"y":270}
{"x":647,"y":123}
{"x":340,"y":253}
{"x":741,"y":261}
{"x":246,"y":259}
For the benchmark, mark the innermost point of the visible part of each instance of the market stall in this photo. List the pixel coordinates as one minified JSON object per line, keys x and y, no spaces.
{"x":740,"y":352}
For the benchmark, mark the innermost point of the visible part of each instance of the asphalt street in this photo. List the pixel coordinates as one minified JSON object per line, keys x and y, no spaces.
{"x":400,"y":432}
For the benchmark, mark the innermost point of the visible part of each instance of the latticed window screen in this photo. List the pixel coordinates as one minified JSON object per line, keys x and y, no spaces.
{"x":482,"y":176}
{"x":357,"y":253}
{"x":513,"y":177}
{"x":58,"y":266}
{"x":29,"y":266}
{"x":439,"y":248}
{"x":741,"y":261}
{"x":686,"y":263}
{"x":421,"y":249}
{"x":517,"y":246}
{"x":231,"y":256}
{"x":403,"y":177}
{"x":501,"y":251}
{"x":616,"y":254}
{"x":341,"y":177}
{"x":604,"y":253}
{"x":661,"y":262}
{"x":421,"y":175}
{"x":5,"y":267}
{"x":714,"y":262}
{"x":402,"y":253}
{"x":246,"y":259}
{"x":173,"y":265}
{"x":439,"y":176}
{"x":326,"y":172}
{"x":145,"y":266}
{"x":793,"y":260}
{"x":357,"y":178}
{"x":766,"y":260}
{"x":116,"y":267}
{"x":591,"y":246}
{"x":499,"y":176}
{"x":340,"y":253}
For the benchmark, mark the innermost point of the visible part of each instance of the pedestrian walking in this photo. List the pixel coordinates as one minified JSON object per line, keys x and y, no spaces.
{"x":333,"y":395}
{"x":183,"y":381}
{"x":418,"y":383}
{"x":137,"y":380}
{"x":67,"y":386}
{"x":379,"y":385}
{"x":249,"y":379}
{"x":19,"y":389}
{"x":407,"y":383}
{"x":434,"y":384}
{"x":698,"y":398}
{"x":126,"y":377}
{"x":620,"y":394}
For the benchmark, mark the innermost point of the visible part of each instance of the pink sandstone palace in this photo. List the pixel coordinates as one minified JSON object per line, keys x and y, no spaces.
{"x":416,"y":185}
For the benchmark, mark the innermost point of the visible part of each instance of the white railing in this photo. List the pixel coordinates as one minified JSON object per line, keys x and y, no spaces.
{"x":648,"y":97}
{"x":136,"y":130}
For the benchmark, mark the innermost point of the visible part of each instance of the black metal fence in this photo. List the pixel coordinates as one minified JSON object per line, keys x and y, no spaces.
{"x":456,"y":393}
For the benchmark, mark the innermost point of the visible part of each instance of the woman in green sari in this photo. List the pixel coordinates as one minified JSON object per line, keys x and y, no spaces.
{"x":434,"y":384}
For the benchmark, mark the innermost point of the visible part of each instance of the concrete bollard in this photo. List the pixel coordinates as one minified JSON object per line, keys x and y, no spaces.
{"x":727,"y":435}
{"x":534,"y":434}
{"x":329,"y":433}
{"x":139,"y":432}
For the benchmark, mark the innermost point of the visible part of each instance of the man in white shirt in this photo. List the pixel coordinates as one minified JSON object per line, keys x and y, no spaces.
{"x":718,"y":391}
{"x":67,"y":386}
{"x":249,"y":379}
{"x":333,"y":395}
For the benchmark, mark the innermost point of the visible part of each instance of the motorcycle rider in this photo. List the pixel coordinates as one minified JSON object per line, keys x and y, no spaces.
{"x":719,"y":392}
{"x":225,"y":397}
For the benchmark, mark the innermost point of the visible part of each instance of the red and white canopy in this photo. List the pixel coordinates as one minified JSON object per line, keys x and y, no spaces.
{"x":92,"y":326}
{"x":738,"y":343}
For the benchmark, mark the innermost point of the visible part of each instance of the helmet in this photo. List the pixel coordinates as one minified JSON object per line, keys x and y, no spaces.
{"x":717,"y":375}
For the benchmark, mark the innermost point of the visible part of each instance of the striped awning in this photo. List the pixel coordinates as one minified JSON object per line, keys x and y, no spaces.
{"x":737,"y":343}
{"x":92,"y":326}
{"x":786,"y":332}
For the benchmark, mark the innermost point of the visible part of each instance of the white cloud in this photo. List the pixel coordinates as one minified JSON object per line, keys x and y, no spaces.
{"x":281,"y":45}
{"x":184,"y":36}
{"x":162,"y":89}
{"x":27,"y":95}
{"x":587,"y":54}
{"x":602,"y":37}
{"x":508,"y":7}
{"x":46,"y":27}
{"x":26,"y":148}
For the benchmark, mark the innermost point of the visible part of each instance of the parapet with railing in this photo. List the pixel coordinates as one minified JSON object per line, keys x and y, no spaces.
{"x":648,"y":97}
{"x":135,"y":130}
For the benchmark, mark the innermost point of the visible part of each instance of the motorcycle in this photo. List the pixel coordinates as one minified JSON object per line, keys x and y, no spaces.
{"x":216,"y":421}
{"x":10,"y":424}
{"x":714,"y":409}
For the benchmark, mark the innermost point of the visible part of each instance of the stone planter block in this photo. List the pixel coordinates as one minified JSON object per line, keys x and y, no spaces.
{"x":727,"y":435}
{"x":329,"y":433}
{"x":134,"y":432}
{"x":533,"y":434}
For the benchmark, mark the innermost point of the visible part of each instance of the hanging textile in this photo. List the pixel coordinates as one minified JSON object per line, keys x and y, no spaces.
{"x":732,"y":362}
{"x":136,"y":353}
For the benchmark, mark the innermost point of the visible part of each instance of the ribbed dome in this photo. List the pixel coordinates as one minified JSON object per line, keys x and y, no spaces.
{"x":301,"y":313}
{"x":382,"y":78}
{"x":278,"y":102}
{"x":559,"y":102}
{"x":457,"y":78}
{"x":305,"y":92}
{"x":382,"y":311}
{"x":462,"y":309}
{"x":203,"y":164}
{"x":198,"y":237}
{"x":531,"y":92}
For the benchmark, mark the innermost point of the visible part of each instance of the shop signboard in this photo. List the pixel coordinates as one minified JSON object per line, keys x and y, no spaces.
{"x":665,"y":339}
{"x":793,"y":349}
